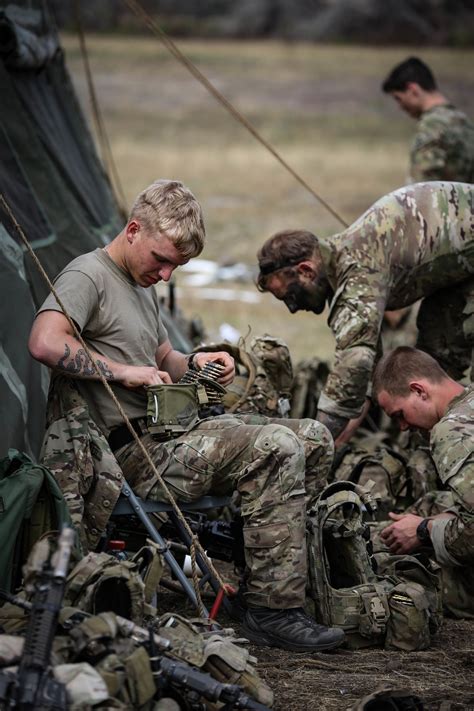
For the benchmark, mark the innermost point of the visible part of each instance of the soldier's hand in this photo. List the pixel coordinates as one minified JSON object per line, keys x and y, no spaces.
{"x":352,"y":426}
{"x":221,"y":357}
{"x":136,"y":376}
{"x":400,"y":537}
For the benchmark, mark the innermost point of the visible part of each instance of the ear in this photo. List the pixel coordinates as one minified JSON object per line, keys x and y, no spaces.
{"x":419,"y":389}
{"x":132,"y":230}
{"x":306,"y":269}
{"x":413,"y":88}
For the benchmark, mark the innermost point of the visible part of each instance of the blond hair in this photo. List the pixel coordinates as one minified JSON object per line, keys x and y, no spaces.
{"x":170,"y":208}
{"x":398,"y":368}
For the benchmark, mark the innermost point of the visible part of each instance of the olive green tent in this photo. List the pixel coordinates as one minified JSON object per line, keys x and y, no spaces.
{"x":59,"y":193}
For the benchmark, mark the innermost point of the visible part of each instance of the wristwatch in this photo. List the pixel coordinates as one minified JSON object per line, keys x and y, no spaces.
{"x":191,"y":363}
{"x":422,"y":531}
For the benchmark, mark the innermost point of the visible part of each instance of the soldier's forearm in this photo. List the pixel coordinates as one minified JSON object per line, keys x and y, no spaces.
{"x":66,"y":354}
{"x":334,"y":423}
{"x":76,"y":362}
{"x":53,"y":343}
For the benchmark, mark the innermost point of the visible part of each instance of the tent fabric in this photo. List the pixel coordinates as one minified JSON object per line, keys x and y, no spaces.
{"x":53,"y":181}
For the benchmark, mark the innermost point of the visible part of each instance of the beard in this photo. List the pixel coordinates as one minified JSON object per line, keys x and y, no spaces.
{"x":301,"y":298}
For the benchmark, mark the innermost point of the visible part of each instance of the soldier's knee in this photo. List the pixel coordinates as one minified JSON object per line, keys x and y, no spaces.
{"x":280,"y":441}
{"x":281,"y":444}
{"x":316,"y":433}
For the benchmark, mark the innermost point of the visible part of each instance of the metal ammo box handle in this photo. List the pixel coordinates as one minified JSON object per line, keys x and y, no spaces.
{"x":154,"y":418}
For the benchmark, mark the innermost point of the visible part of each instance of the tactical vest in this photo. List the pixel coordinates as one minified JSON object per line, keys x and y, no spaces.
{"x":99,"y":582}
{"x":105,"y":641}
{"x":398,"y":609}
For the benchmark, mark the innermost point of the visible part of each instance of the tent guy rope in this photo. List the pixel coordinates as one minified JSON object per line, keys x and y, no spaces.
{"x":237,"y":115}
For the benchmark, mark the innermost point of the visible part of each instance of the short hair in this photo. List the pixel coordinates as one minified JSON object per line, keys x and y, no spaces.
{"x":411,"y":70}
{"x":396,"y":369}
{"x":169,"y":207}
{"x":284,"y":250}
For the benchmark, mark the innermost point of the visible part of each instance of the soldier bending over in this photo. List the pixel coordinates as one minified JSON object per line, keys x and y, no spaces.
{"x":417,"y":242}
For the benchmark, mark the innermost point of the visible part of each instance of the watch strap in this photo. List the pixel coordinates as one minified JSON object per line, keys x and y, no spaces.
{"x":422,"y":531}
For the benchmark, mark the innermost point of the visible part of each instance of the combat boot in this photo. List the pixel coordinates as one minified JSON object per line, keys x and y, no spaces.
{"x":289,"y":629}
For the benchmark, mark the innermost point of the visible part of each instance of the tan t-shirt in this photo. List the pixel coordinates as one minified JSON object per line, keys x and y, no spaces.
{"x":118,"y":319}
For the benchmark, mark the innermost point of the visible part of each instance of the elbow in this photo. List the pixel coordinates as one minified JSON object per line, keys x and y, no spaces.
{"x":35,"y":349}
{"x":37,"y":346}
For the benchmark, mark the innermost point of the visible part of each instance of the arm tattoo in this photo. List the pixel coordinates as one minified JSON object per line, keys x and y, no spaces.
{"x":82,"y":365}
{"x":334,"y":423}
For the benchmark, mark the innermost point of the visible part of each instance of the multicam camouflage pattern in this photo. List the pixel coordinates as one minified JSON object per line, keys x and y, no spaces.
{"x":400,"y":474}
{"x":80,"y":459}
{"x":342,"y":584}
{"x":412,"y":243}
{"x":452,"y":446}
{"x":368,"y":461}
{"x":415,"y":602}
{"x":399,"y":606}
{"x":116,"y":670}
{"x":135,"y":581}
{"x":266,"y":461}
{"x":443,"y":148}
{"x":309,"y":380}
{"x":263,"y":378}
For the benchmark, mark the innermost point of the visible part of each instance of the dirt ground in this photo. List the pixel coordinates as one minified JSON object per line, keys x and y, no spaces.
{"x":442,"y":676}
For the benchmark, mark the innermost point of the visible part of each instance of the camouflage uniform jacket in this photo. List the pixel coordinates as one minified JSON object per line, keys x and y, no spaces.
{"x":409,"y":244}
{"x":443,"y":148}
{"x":81,"y":461}
{"x":452,"y":448}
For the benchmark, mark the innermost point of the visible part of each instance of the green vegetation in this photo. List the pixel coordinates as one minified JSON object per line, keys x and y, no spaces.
{"x":321,"y":108}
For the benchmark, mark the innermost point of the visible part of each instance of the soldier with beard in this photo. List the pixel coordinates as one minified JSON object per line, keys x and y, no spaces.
{"x":417,"y":242}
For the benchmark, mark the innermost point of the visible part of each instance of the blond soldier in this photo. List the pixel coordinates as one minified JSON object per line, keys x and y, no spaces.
{"x":108,"y":296}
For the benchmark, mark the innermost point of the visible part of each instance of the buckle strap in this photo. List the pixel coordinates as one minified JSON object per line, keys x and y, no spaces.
{"x":374,"y":620}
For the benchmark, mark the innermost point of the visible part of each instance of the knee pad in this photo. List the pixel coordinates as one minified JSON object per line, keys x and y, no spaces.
{"x":281,"y":441}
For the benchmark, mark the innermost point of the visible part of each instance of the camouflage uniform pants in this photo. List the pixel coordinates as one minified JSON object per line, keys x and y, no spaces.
{"x":265,"y":461}
{"x":446,"y":328}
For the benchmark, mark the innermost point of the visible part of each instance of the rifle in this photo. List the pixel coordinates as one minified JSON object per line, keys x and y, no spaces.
{"x":34,"y":686}
{"x":190,"y":679}
{"x":168,"y":672}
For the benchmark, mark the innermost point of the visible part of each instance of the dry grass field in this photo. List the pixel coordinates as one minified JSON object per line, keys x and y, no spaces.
{"x":320,"y":107}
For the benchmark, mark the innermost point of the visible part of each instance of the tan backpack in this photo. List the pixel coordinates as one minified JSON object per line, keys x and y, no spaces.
{"x":264,"y":375}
